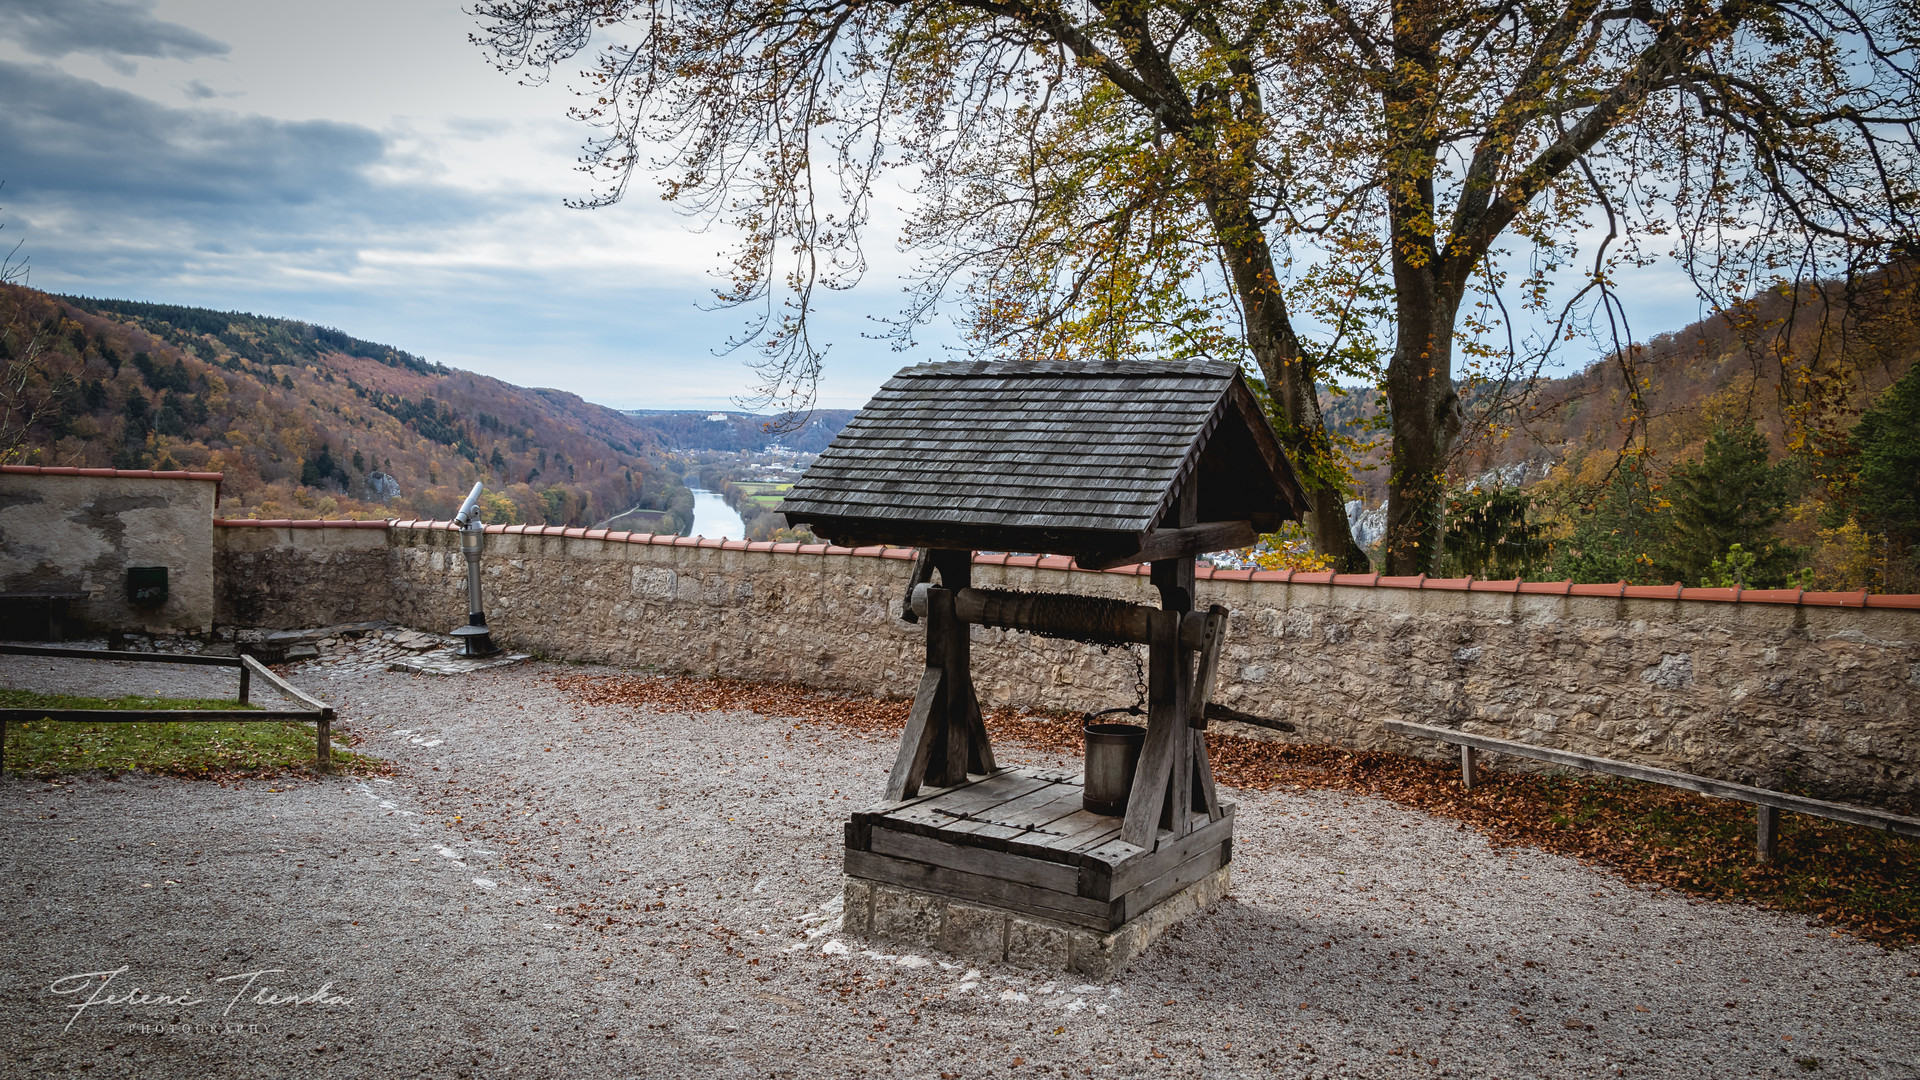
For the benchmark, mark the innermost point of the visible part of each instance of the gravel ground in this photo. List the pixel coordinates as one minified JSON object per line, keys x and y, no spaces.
{"x":545,"y":889}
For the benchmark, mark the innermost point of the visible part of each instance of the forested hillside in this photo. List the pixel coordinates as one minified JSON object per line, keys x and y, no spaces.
{"x":1789,"y":415}
{"x":305,"y":420}
{"x":740,"y":432}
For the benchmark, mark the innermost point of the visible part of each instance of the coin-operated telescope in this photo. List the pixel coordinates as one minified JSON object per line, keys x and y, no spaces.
{"x":475,"y":639}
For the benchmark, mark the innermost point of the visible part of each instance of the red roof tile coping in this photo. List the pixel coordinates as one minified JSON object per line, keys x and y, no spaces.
{"x":311,"y":523}
{"x":1617,"y":590}
{"x":131,"y":474}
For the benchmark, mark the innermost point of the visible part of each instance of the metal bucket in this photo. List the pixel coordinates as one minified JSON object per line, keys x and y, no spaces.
{"x":1113,"y":753}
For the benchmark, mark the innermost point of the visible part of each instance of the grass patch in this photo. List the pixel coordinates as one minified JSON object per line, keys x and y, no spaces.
{"x":220,"y":749}
{"x":1858,"y":879}
{"x":33,"y":699}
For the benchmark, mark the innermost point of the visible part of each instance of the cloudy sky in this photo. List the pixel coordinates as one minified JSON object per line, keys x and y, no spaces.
{"x":357,"y":163}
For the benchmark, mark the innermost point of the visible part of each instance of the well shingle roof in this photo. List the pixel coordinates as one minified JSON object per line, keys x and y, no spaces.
{"x":1093,"y":450}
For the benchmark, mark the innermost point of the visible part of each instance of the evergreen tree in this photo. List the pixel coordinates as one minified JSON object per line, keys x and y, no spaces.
{"x":1732,"y":495}
{"x":1887,"y":487}
{"x":1617,"y":536}
{"x":1488,"y":535}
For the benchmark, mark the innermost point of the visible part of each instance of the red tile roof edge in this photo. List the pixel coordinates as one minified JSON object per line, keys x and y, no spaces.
{"x":308,"y":523}
{"x":1618,"y":590}
{"x":133,"y":474}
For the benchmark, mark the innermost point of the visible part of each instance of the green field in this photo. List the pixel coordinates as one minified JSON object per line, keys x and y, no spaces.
{"x":763,"y":494}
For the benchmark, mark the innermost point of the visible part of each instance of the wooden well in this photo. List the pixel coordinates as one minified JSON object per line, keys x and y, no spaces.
{"x":1112,"y":464}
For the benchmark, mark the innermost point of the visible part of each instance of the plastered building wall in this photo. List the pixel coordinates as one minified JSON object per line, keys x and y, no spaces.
{"x":78,"y":530}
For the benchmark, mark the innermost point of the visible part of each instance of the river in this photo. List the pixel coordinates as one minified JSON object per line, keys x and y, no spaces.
{"x":713,"y":518}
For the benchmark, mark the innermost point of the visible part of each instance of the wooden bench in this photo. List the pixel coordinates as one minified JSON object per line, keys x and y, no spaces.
{"x":36,"y":615}
{"x":1768,"y":803}
{"x":313,"y":708}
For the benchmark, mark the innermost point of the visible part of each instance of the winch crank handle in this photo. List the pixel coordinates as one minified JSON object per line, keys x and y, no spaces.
{"x":1212,"y":640}
{"x":915,"y":606}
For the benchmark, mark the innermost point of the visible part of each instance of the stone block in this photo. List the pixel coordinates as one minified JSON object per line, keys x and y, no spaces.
{"x":985,"y":934}
{"x":857,"y":907}
{"x":907,"y":917}
{"x":975,"y":932}
{"x":1032,"y":943}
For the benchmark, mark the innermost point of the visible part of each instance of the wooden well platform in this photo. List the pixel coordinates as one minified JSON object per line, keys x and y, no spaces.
{"x":1017,"y":839}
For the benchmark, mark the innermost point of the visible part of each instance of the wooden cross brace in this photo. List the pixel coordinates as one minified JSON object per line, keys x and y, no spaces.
{"x":1173,"y":785}
{"x":945,"y":738}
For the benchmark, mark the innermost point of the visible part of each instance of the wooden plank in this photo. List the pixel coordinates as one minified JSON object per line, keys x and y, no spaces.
{"x":285,"y":687}
{"x":1069,"y":833}
{"x":1469,"y":767}
{"x":1095,"y":839}
{"x":1163,"y":748}
{"x":1020,"y":869}
{"x":1113,"y":618}
{"x":961,"y":885}
{"x":156,"y":716}
{"x":916,"y":739}
{"x":1145,"y":801}
{"x":1184,"y":543}
{"x":1117,"y":867}
{"x":1722,"y":789}
{"x":964,"y":802}
{"x":1206,"y":800}
{"x":1042,"y":806}
{"x":881,"y":809}
{"x":1142,"y":899}
{"x":982,"y":744}
{"x":192,"y":659}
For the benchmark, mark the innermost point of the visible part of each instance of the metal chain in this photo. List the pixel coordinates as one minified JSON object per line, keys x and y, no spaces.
{"x":1139,"y":680}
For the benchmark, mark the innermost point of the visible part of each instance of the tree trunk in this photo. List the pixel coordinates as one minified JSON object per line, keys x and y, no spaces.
{"x":1426,"y":419}
{"x":1421,"y":397}
{"x":1275,"y":348}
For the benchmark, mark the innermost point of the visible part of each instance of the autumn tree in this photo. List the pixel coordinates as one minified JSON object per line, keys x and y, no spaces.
{"x":1373,"y":191}
{"x":31,"y":386}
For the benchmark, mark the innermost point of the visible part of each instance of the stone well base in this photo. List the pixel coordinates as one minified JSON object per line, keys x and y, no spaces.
{"x":914,"y":919}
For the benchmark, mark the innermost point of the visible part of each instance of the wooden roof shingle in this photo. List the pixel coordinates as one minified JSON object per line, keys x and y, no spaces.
{"x":1068,"y":458}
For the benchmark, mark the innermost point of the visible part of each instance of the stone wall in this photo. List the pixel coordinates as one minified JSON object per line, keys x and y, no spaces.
{"x":66,"y":530}
{"x":275,"y":575}
{"x":1778,"y":694}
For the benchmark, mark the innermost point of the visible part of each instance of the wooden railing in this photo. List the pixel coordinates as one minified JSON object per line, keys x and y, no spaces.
{"x":1769,"y":803}
{"x":312,"y":708}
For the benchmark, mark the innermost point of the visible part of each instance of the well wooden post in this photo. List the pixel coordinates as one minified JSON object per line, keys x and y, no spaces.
{"x":945,"y":737}
{"x":1173,"y":779}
